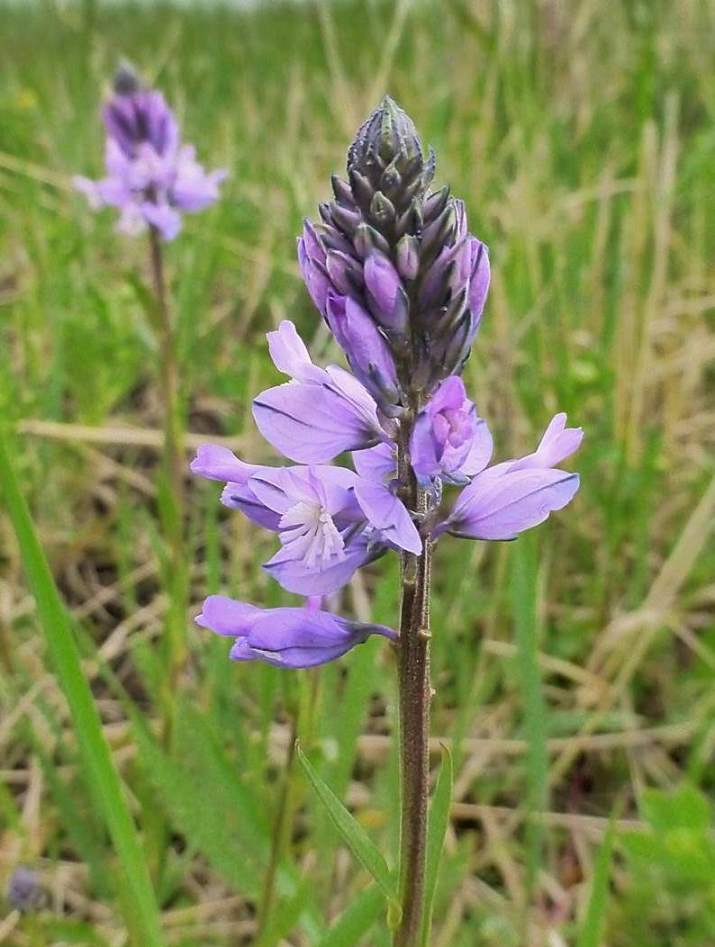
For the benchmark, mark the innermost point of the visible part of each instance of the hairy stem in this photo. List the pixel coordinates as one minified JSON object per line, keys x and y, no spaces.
{"x":415,"y":696}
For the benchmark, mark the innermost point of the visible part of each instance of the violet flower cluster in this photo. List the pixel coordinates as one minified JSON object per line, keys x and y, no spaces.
{"x":152,"y":178}
{"x":401,"y":284}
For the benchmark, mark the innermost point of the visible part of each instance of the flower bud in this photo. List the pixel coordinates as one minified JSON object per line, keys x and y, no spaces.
{"x":365,"y":347}
{"x":342,"y":192}
{"x":387,"y":298}
{"x":479,"y":280}
{"x":435,"y":203}
{"x":126,"y":80}
{"x":362,"y":190}
{"x":408,"y":257}
{"x":344,"y":271}
{"x":439,"y":233}
{"x":367,"y":239}
{"x":382,"y":210}
{"x":312,"y":261}
{"x":387,"y":133}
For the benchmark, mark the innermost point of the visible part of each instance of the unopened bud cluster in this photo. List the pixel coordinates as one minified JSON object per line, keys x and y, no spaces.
{"x":392,"y":267}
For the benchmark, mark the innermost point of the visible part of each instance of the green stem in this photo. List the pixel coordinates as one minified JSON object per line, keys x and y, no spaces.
{"x":169,"y":378}
{"x":415,"y":694}
{"x":301,"y":727}
{"x":281,"y":835}
{"x":172,"y":511}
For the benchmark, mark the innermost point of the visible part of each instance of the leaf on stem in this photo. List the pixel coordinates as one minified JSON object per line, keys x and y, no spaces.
{"x":352,"y":833}
{"x":436,"y":832}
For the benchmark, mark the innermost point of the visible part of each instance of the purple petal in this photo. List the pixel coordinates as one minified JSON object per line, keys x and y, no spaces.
{"x":90,"y":189}
{"x":225,"y":616}
{"x":385,"y":292}
{"x":315,"y":278}
{"x":218,"y":463}
{"x":558,"y":443}
{"x":376,"y":463}
{"x":311,"y":424}
{"x":479,"y":282}
{"x":296,"y":577}
{"x":279,"y":628}
{"x":166,"y":219}
{"x":194,"y":189}
{"x":131,"y":220}
{"x":365,"y":347}
{"x":480,"y":453}
{"x":291,"y":658}
{"x":448,"y":434}
{"x":290,"y":355}
{"x":240,"y":496}
{"x":502,"y":506}
{"x":388,"y":515}
{"x":280,"y":488}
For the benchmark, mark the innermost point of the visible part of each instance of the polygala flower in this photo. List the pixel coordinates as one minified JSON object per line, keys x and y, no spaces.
{"x":285,"y":637}
{"x":152,"y":178}
{"x":401,"y":284}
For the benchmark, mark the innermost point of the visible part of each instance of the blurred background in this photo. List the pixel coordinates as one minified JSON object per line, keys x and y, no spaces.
{"x":573,"y":670}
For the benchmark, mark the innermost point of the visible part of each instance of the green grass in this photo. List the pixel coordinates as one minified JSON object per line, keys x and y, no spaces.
{"x":576,"y":669}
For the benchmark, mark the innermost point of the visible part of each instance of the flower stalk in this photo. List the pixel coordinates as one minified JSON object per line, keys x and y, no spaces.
{"x":415,"y":693}
{"x":401,"y":283}
{"x":173,"y":464}
{"x":169,"y":379}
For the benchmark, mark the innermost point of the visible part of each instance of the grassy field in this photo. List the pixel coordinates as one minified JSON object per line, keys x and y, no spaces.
{"x":573,"y":669}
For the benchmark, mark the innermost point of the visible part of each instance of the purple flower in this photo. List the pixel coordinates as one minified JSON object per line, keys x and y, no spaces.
{"x":504,"y":500}
{"x":329,"y":521}
{"x":448,"y":439}
{"x":318,"y":415}
{"x":401,"y":284}
{"x":285,"y":637}
{"x":151,"y":177}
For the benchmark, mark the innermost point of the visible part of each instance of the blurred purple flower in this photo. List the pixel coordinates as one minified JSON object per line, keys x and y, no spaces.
{"x":285,"y":637}
{"x":151,"y":177}
{"x":24,"y":891}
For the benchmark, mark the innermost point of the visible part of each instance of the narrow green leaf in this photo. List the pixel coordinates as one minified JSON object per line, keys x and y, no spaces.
{"x":352,"y":833}
{"x":284,"y":917}
{"x":436,"y":831}
{"x":592,"y":926}
{"x":356,"y":920}
{"x":354,"y":701}
{"x":104,"y":780}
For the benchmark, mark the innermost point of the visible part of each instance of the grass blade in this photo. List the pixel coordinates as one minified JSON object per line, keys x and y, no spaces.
{"x":592,"y":926}
{"x":352,"y":833}
{"x":524,"y":593}
{"x":436,"y":831}
{"x":143,"y":914}
{"x":354,"y":923}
